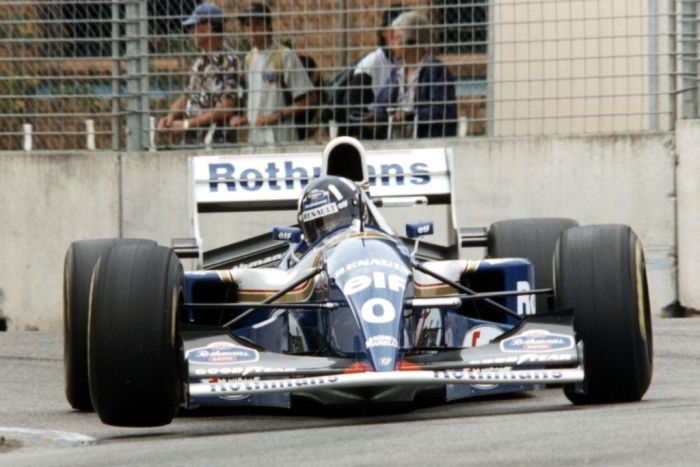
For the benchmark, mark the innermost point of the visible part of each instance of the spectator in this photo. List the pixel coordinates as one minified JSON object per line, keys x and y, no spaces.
{"x":422,"y":88}
{"x":370,"y":75}
{"x":213,"y":93}
{"x":278,"y":86}
{"x":374,"y":69}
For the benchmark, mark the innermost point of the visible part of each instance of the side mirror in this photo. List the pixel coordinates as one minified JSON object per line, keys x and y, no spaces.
{"x":418,"y":229}
{"x":287,"y":234}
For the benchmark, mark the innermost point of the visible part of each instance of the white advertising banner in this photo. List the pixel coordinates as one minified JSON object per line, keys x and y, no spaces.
{"x":235,"y":181}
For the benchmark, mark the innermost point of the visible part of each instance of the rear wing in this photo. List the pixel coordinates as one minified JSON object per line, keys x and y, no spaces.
{"x":275,"y":181}
{"x":264,"y":182}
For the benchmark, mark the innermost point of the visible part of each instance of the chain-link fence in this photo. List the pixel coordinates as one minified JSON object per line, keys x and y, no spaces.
{"x":126,"y":74}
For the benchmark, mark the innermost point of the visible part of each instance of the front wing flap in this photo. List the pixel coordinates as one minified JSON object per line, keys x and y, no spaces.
{"x":389,"y":378}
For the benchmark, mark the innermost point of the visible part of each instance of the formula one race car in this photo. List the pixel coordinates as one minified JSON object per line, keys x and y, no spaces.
{"x":342,"y":310}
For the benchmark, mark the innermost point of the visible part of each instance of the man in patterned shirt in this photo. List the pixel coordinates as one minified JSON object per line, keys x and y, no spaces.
{"x":214,"y":92}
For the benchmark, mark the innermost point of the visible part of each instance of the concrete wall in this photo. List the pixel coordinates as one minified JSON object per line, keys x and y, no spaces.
{"x":688,"y":188}
{"x":49,"y":200}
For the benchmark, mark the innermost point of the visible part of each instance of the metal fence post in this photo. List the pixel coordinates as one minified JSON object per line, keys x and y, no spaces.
{"x":689,"y":59}
{"x":144,"y":69}
{"x":341,"y":38}
{"x":490,"y":66}
{"x":672,"y":65}
{"x":653,"y":52}
{"x":134,"y":127}
{"x":116,"y":72}
{"x":27,"y":131}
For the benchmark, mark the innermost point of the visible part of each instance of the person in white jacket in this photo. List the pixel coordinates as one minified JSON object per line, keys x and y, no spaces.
{"x":277,"y":84}
{"x":374,"y":69}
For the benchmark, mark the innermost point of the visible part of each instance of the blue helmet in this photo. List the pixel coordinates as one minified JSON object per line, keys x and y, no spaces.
{"x":326,"y":204}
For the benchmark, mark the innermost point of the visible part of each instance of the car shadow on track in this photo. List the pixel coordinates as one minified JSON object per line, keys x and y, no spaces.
{"x":217,"y":421}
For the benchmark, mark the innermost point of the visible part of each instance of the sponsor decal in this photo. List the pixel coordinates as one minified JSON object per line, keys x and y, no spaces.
{"x":497,"y":375}
{"x":424,"y":229}
{"x":379,"y":262}
{"x":239,"y":371}
{"x":525,"y":304}
{"x":378,"y":280}
{"x":416,"y":229}
{"x":221,"y":352}
{"x":321,"y":211}
{"x":381,"y":341}
{"x":267,"y":178}
{"x":287,"y":234}
{"x":254,"y":175}
{"x":481,"y":335}
{"x":316,"y":198}
{"x":262,"y":385}
{"x":377,"y":310}
{"x":537,"y":340}
{"x":283,"y":235}
{"x":524,"y":359}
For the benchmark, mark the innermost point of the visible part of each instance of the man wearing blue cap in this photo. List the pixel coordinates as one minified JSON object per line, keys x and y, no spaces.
{"x":214,"y":92}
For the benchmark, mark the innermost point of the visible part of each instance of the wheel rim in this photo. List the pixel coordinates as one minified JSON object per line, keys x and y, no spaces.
{"x":642,"y":299}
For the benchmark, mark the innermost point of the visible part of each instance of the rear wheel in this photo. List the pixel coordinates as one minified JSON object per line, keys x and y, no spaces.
{"x":532,"y":239}
{"x":81,"y":258}
{"x":600,"y":274}
{"x":135,"y":348}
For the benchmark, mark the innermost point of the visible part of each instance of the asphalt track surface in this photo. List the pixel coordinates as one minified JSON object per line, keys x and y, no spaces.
{"x":38,"y":428}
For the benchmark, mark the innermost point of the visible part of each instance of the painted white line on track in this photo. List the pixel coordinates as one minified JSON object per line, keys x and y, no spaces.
{"x":63,"y":437}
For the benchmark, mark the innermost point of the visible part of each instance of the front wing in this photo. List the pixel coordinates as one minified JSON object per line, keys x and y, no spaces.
{"x":541,"y":350}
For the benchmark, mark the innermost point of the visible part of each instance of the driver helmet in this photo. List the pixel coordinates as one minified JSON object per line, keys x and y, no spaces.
{"x":326,"y":204}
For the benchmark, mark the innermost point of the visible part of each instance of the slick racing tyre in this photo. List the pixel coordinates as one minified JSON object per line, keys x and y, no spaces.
{"x":135,"y":347}
{"x":600,"y":274}
{"x":77,"y":273}
{"x":532,"y":239}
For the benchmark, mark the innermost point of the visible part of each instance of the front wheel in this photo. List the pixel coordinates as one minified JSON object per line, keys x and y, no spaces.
{"x":135,"y":351}
{"x":600,"y":274}
{"x":80,"y":260}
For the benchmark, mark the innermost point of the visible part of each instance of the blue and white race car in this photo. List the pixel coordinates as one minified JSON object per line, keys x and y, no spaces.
{"x":341,"y":309}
